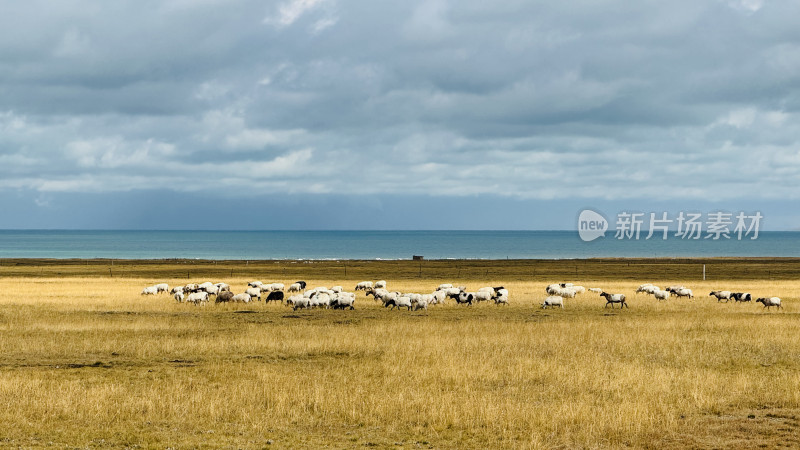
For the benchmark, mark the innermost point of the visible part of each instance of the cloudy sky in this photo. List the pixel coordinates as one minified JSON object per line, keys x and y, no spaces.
{"x":421,"y":114}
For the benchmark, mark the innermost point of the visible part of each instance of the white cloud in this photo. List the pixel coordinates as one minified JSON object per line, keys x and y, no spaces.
{"x":289,"y":12}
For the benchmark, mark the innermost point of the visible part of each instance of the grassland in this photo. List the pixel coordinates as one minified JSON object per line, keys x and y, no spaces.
{"x":88,"y":362}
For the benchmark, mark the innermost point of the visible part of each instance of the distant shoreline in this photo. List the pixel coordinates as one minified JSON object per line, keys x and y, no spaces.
{"x":641,"y":269}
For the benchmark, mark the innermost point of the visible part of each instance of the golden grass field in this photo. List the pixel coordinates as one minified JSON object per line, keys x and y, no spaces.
{"x":88,"y":362}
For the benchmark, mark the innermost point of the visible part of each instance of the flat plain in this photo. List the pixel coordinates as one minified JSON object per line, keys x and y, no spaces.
{"x":89,"y":362}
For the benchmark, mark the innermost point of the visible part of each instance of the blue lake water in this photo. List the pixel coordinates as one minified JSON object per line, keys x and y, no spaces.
{"x":371,"y":245}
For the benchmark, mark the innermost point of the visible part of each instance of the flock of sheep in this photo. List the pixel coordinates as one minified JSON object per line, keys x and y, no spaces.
{"x":558,"y":292}
{"x":337,"y":298}
{"x":322,"y":297}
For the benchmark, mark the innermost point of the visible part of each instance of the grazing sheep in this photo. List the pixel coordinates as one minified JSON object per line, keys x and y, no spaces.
{"x":274,"y":296}
{"x":721,"y":295}
{"x":321,"y":300}
{"x":176,"y":289}
{"x":277,"y":287}
{"x":595,"y":290}
{"x":197,"y":298}
{"x":294,"y":287}
{"x":178,"y":296}
{"x":337,"y":289}
{"x":444,"y":286}
{"x":380,"y":284}
{"x":614,"y":298}
{"x":253,"y":292}
{"x":205,"y":285}
{"x":661,"y":295}
{"x":300,"y":302}
{"x":211,"y":290}
{"x":364,"y":285}
{"x":162,"y":287}
{"x":150,"y":290}
{"x":242,"y":298}
{"x":301,"y":283}
{"x":344,"y":300}
{"x":683,"y":292}
{"x":223,"y":287}
{"x":501,"y":300}
{"x":255,"y":284}
{"x":552,"y":288}
{"x":191,"y":287}
{"x":294,"y":298}
{"x":770,"y":302}
{"x":224,"y":297}
{"x":553,"y":301}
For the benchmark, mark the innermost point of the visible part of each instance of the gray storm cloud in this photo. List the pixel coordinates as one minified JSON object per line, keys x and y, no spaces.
{"x":532,"y":100}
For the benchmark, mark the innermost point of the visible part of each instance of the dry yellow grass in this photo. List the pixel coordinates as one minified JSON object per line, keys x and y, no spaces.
{"x":90,"y":362}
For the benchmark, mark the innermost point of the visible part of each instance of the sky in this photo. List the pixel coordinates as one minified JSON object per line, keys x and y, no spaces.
{"x":413,"y":114}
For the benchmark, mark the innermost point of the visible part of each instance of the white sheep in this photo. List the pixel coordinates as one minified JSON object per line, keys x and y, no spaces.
{"x":566,"y":292}
{"x":321,"y":300}
{"x":444,"y":286}
{"x":380,"y":284}
{"x":197,"y":298}
{"x":484,"y":296}
{"x":661,"y":295}
{"x":295,"y":287}
{"x":150,"y":290}
{"x":344,"y":300}
{"x":223,"y":286}
{"x":337,"y":289}
{"x":553,"y":301}
{"x":178,"y":296}
{"x":402,"y":302}
{"x":421,"y":304}
{"x":276,"y":287}
{"x":438,"y":297}
{"x":176,"y":289}
{"x":769,"y":302}
{"x":242,"y":298}
{"x":683,"y":292}
{"x":614,"y":298}
{"x":212,"y":290}
{"x":162,"y":287}
{"x":255,"y":284}
{"x":726,"y":295}
{"x":300,"y":302}
{"x":595,"y":290}
{"x":502,"y":299}
{"x":294,"y":299}
{"x":364,"y":285}
{"x":253,"y":292}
